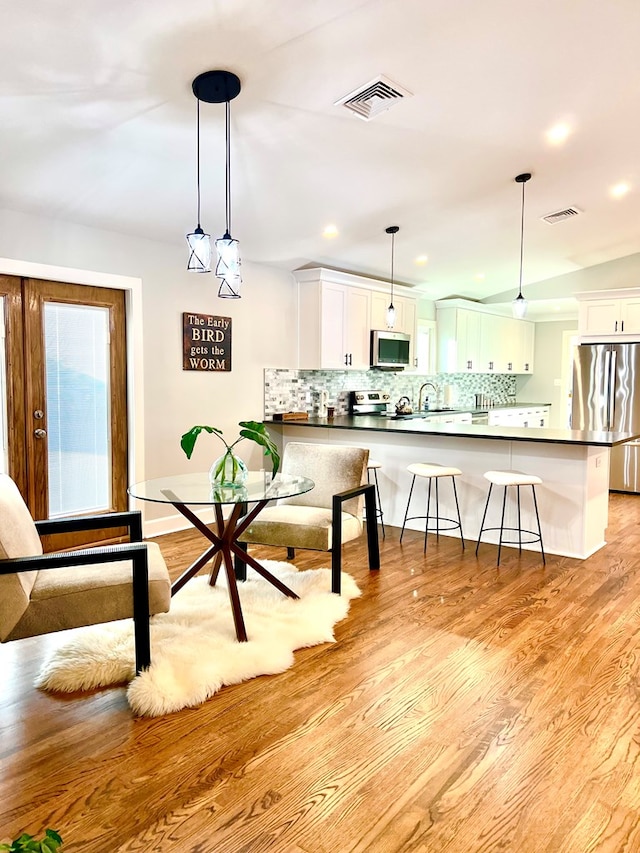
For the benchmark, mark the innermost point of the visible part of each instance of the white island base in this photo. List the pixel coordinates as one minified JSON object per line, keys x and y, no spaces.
{"x":573,"y":499}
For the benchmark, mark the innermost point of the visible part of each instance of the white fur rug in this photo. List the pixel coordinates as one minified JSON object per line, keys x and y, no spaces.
{"x":194,"y":651}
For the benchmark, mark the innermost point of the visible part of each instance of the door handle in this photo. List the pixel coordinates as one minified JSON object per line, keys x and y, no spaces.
{"x":39,"y":433}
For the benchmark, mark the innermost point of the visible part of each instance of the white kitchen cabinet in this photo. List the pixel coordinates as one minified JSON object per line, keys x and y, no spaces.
{"x":473,"y":341}
{"x":520,"y":355}
{"x":334,"y":326}
{"x":458,"y":332}
{"x":530,"y":416}
{"x":336,"y":312}
{"x":610,"y":317}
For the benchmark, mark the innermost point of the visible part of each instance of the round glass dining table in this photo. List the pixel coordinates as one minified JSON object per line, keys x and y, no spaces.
{"x":195,"y":489}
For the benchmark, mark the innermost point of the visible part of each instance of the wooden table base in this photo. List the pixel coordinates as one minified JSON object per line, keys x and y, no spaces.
{"x":225,"y":543}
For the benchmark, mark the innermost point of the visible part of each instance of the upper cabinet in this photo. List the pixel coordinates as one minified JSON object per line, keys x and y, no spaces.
{"x":473,"y":341}
{"x":609,"y":314}
{"x":337,"y":312}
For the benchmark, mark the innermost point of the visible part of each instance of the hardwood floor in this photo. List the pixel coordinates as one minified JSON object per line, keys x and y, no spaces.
{"x":463,"y":708}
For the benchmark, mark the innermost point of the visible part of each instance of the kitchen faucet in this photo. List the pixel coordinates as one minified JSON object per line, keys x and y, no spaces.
{"x":426,"y":398}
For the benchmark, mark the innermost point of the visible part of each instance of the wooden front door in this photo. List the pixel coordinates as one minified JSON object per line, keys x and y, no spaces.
{"x":65,"y":409}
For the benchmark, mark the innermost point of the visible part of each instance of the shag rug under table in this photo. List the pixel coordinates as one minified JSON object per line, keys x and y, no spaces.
{"x":194,"y":651}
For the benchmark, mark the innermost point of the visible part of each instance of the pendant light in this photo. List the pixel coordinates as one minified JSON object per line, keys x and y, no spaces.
{"x":391,"y":311}
{"x":199,"y":242}
{"x":221,"y":87}
{"x":519,"y":304}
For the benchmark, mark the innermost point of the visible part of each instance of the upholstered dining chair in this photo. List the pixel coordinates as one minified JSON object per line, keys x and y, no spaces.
{"x":327,"y":516}
{"x":42,"y":593}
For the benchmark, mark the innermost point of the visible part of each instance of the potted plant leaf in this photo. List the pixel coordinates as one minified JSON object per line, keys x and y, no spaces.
{"x":29,"y":844}
{"x":229,"y":469}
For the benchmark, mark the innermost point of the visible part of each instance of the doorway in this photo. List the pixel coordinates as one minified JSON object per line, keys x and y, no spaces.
{"x":65,"y":397}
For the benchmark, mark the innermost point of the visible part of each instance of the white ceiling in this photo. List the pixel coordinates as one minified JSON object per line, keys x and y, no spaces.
{"x":98,"y":127}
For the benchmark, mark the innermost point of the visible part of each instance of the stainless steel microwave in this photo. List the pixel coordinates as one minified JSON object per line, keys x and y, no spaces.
{"x":389,"y":350}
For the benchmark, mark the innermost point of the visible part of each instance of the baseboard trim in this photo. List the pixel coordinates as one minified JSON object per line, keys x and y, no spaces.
{"x":175,"y":522}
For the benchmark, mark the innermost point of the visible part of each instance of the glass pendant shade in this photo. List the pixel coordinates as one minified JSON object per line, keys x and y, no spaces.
{"x":519,"y":307}
{"x":391,"y":316}
{"x":228,"y":267}
{"x":199,"y":251}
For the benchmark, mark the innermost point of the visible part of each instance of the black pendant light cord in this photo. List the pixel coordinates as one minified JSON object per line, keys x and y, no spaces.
{"x":198,"y":156}
{"x":521,"y":240}
{"x":228,"y":169}
{"x":393,"y":241}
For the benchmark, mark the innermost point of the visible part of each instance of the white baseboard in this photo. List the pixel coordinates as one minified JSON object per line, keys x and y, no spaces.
{"x":173,"y":523}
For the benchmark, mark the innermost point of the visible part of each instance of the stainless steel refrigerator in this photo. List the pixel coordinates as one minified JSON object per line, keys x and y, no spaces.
{"x":606,"y":396}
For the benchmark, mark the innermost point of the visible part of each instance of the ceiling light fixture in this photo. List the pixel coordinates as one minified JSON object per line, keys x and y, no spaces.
{"x":221,"y":87}
{"x":391,"y":311}
{"x":199,"y":242}
{"x":519,"y":304}
{"x":619,"y":190}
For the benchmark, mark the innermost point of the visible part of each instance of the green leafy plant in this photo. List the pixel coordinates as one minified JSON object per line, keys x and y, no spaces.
{"x":253,"y":430}
{"x":49,"y":844}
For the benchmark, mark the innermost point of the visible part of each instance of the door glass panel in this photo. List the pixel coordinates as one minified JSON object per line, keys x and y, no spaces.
{"x":78,"y":416}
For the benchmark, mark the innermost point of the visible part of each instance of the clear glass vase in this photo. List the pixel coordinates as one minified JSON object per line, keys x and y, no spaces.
{"x":228,"y":471}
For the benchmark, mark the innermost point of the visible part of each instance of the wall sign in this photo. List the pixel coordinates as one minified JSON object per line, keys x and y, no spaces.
{"x":206,"y":342}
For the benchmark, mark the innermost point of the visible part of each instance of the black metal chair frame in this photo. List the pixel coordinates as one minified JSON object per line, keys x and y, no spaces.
{"x":134,"y":550}
{"x":373,"y":543}
{"x":536,"y":537}
{"x":453,"y":524}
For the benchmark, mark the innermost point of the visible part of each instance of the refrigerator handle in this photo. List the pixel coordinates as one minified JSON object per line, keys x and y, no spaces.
{"x":611,"y":390}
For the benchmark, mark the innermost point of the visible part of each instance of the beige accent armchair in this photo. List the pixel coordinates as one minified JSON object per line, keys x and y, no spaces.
{"x":327,"y":516}
{"x":42,"y":593}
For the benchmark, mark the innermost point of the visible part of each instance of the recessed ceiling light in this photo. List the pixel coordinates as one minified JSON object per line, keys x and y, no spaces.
{"x":619,"y":190}
{"x":558,"y":134}
{"x":479,"y":276}
{"x":422,"y":259}
{"x":330,"y":231}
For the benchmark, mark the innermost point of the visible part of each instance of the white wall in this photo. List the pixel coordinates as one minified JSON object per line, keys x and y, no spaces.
{"x":544,"y":385}
{"x":263,"y":333}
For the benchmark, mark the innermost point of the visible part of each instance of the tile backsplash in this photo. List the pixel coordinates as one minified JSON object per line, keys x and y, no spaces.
{"x":299,"y":390}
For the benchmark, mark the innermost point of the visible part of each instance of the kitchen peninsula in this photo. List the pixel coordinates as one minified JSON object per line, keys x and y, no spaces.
{"x":573,"y":464}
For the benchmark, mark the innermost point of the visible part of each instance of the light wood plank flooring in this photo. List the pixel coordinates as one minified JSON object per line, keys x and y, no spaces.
{"x":463,"y":708}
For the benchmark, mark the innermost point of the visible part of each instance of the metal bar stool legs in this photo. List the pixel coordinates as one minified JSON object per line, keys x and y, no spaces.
{"x":433,"y":472}
{"x":517,"y":479}
{"x":373,"y":466}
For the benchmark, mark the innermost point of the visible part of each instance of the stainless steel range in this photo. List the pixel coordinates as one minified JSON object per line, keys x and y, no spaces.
{"x":368,"y":402}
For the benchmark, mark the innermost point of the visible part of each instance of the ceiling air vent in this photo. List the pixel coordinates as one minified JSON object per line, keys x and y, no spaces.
{"x":373,"y":98}
{"x":559,"y":215}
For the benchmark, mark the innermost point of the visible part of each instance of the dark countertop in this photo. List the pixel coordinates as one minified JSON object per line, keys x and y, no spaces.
{"x":377,"y":423}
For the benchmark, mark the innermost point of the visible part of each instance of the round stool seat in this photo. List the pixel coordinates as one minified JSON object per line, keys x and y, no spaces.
{"x":372,"y":465}
{"x":432,"y":469}
{"x":512,"y":478}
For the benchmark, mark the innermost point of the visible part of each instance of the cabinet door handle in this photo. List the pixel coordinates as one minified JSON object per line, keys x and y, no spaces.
{"x":510,"y":366}
{"x":415,"y":362}
{"x":350,"y":360}
{"x":526,"y":367}
{"x":616,"y":327}
{"x":469,"y":365}
{"x":346,"y":359}
{"x":490,"y":365}
{"x":622,"y":326}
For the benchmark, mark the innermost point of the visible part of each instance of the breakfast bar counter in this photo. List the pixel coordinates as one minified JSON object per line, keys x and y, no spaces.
{"x":573,"y":465}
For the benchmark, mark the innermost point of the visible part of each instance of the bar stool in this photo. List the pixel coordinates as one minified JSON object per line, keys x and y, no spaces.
{"x":374,"y":466}
{"x":517,"y":479}
{"x":433,"y":471}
